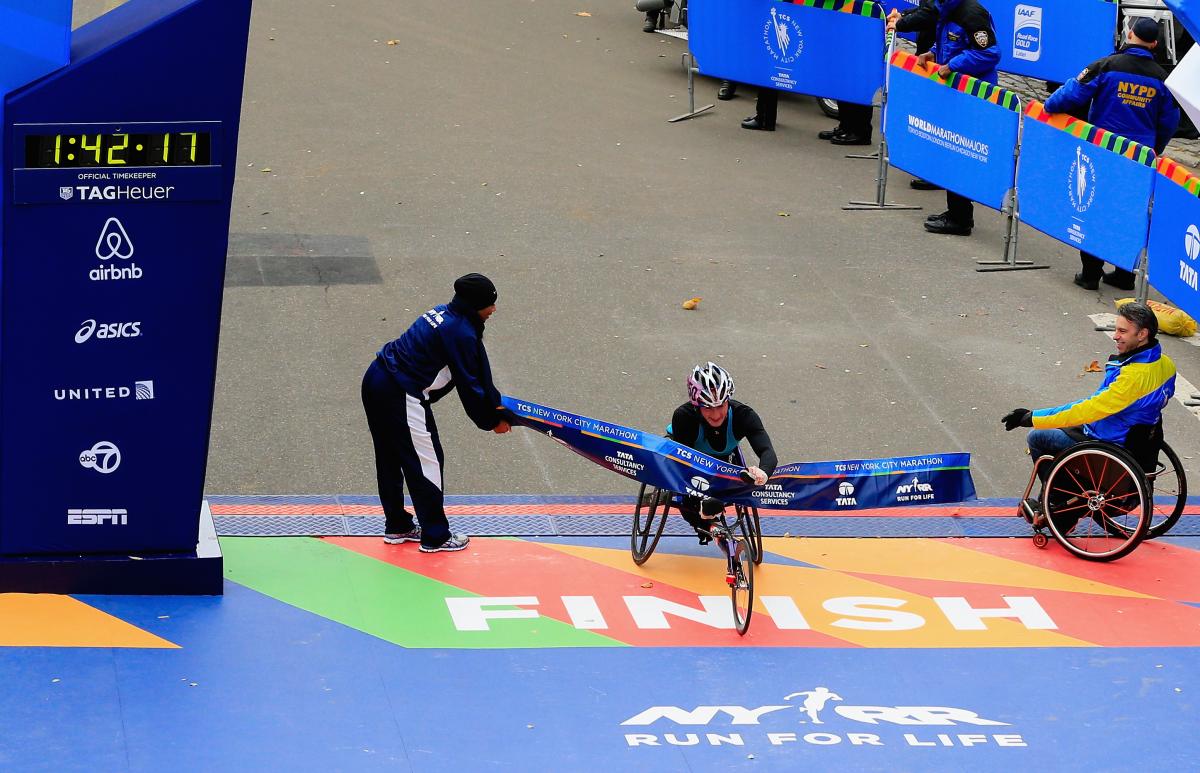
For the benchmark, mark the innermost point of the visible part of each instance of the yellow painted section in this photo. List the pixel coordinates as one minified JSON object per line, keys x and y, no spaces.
{"x":810,"y":588}
{"x":43,"y":620}
{"x":928,"y":559}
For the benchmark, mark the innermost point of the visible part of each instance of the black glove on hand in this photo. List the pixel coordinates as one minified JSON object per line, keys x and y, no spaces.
{"x":1019,"y":417}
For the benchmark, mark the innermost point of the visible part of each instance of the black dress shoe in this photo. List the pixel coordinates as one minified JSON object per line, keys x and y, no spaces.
{"x":754,"y":123}
{"x":939,"y":216}
{"x":1122,"y":280}
{"x":651,"y":23}
{"x":942,"y":224}
{"x":850,"y":138}
{"x":728,"y":90}
{"x":923,"y":185}
{"x":829,"y":134}
{"x":1087,"y":284}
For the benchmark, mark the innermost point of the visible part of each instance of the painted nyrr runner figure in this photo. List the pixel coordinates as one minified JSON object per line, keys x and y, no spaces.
{"x":814,"y":702}
{"x":713,"y":424}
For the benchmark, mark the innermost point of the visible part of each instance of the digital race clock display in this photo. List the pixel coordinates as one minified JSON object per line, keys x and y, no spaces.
{"x":116,"y":150}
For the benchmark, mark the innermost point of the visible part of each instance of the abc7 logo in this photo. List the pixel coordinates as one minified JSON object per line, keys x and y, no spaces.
{"x":104,"y":457}
{"x":845,"y":488}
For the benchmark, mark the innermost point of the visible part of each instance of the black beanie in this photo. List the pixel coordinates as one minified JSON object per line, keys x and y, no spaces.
{"x":1146,"y":29}
{"x":475,"y":291}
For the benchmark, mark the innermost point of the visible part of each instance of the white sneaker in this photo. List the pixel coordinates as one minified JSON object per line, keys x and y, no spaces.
{"x":404,"y":536}
{"x":455,"y":542}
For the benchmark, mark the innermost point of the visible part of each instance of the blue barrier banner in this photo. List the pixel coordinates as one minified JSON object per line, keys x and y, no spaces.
{"x":1084,"y":186}
{"x":960,"y":133}
{"x":1174,"y":247}
{"x":826,"y":48}
{"x":1052,"y":39}
{"x":1187,"y":12}
{"x":825,"y":486}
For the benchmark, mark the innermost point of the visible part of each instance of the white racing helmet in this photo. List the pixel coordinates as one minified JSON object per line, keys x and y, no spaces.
{"x":710,"y":385}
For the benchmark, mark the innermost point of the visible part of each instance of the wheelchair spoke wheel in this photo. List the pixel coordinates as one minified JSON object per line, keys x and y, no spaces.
{"x":740,"y":577}
{"x":649,"y":520}
{"x":751,"y":529}
{"x":1168,"y":492}
{"x":1096,"y":502}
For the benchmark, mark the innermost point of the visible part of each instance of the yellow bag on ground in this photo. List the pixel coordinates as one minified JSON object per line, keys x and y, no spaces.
{"x":1171,"y":320}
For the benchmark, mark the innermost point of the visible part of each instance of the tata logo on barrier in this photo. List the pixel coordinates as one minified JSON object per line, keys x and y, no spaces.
{"x":107,"y":330}
{"x":845,"y":496}
{"x":1027,"y":33}
{"x":104,"y":457}
{"x":783,"y":38}
{"x":114,"y":242}
{"x":697,"y":486}
{"x":767,"y":724}
{"x":90,"y":516}
{"x":1081,"y":183}
{"x":1191,"y":248}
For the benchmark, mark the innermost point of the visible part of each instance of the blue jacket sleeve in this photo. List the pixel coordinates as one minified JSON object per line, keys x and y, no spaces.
{"x":1075,"y":93}
{"x":976,"y":62}
{"x":1168,"y":122}
{"x":472,"y":375}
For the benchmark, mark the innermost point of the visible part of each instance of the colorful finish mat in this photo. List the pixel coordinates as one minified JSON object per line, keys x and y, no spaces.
{"x":559,"y":653}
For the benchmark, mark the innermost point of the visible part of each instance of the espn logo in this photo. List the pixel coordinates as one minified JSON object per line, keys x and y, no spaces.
{"x":97,"y":517}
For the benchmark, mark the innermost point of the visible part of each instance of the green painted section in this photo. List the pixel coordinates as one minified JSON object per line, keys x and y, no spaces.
{"x":380,"y":599}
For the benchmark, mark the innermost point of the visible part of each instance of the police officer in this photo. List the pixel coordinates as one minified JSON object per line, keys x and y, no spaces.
{"x":441,"y":350}
{"x":965,"y":42}
{"x":1127,"y":97}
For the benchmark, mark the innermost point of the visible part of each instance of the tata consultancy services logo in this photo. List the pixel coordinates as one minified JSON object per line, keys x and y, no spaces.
{"x":1191,"y":242}
{"x":697,"y":486}
{"x":845,"y":496}
{"x":1191,"y":247}
{"x":1081,"y":185}
{"x":104,"y":457}
{"x":783,"y":38}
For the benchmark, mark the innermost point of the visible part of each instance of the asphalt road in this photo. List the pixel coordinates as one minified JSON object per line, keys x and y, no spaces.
{"x":517,"y":138}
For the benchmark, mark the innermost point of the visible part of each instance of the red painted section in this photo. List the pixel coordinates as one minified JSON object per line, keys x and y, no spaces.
{"x":1154,"y":568}
{"x":1084,"y":616}
{"x":502,"y":567}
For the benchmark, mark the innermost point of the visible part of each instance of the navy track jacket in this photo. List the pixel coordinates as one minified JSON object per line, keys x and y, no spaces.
{"x":1127,"y":97}
{"x":966,"y":37}
{"x":442,"y":350}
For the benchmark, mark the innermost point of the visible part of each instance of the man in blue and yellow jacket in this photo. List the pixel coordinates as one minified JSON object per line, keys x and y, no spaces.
{"x":1126,"y":95}
{"x":1139,"y":381}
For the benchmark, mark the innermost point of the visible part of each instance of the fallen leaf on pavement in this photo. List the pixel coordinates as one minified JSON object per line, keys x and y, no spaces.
{"x":691,"y":303}
{"x":647,"y":585}
{"x":819,"y":365}
{"x":582,"y":13}
{"x":1093,"y":367}
{"x":393,"y":42}
{"x":785,"y":214}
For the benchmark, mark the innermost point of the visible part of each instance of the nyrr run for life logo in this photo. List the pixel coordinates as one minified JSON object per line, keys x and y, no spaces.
{"x":1081,"y":182}
{"x":758,"y":726}
{"x":783,"y":38}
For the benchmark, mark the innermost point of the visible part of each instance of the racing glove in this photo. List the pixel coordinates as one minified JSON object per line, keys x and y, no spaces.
{"x":1018,"y":417}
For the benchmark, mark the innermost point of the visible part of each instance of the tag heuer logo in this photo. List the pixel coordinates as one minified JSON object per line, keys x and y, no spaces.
{"x":65,"y":192}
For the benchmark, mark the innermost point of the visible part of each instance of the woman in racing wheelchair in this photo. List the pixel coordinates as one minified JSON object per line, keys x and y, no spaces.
{"x":713,"y":424}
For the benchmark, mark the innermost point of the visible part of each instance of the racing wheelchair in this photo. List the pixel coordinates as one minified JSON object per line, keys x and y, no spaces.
{"x":1098,"y":500}
{"x":740,"y":542}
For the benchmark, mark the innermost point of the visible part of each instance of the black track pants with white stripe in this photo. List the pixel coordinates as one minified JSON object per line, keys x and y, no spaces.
{"x":406,"y":447}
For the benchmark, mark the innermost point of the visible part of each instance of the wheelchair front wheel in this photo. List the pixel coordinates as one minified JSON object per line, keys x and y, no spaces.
{"x":741,"y":584}
{"x":1096,"y":501}
{"x":751,"y":529}
{"x":649,"y":520}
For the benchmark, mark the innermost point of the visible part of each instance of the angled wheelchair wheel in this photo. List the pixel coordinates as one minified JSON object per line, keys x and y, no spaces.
{"x":1096,"y":501}
{"x":741,"y":585}
{"x":751,"y":529}
{"x":1168,"y":492}
{"x":649,"y":520}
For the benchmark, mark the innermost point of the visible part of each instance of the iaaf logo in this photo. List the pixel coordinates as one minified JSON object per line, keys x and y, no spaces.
{"x":1081,"y":183}
{"x":107,"y":330}
{"x":816,"y":701}
{"x":114,"y":242}
{"x":845,"y":496}
{"x":783,"y":38}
